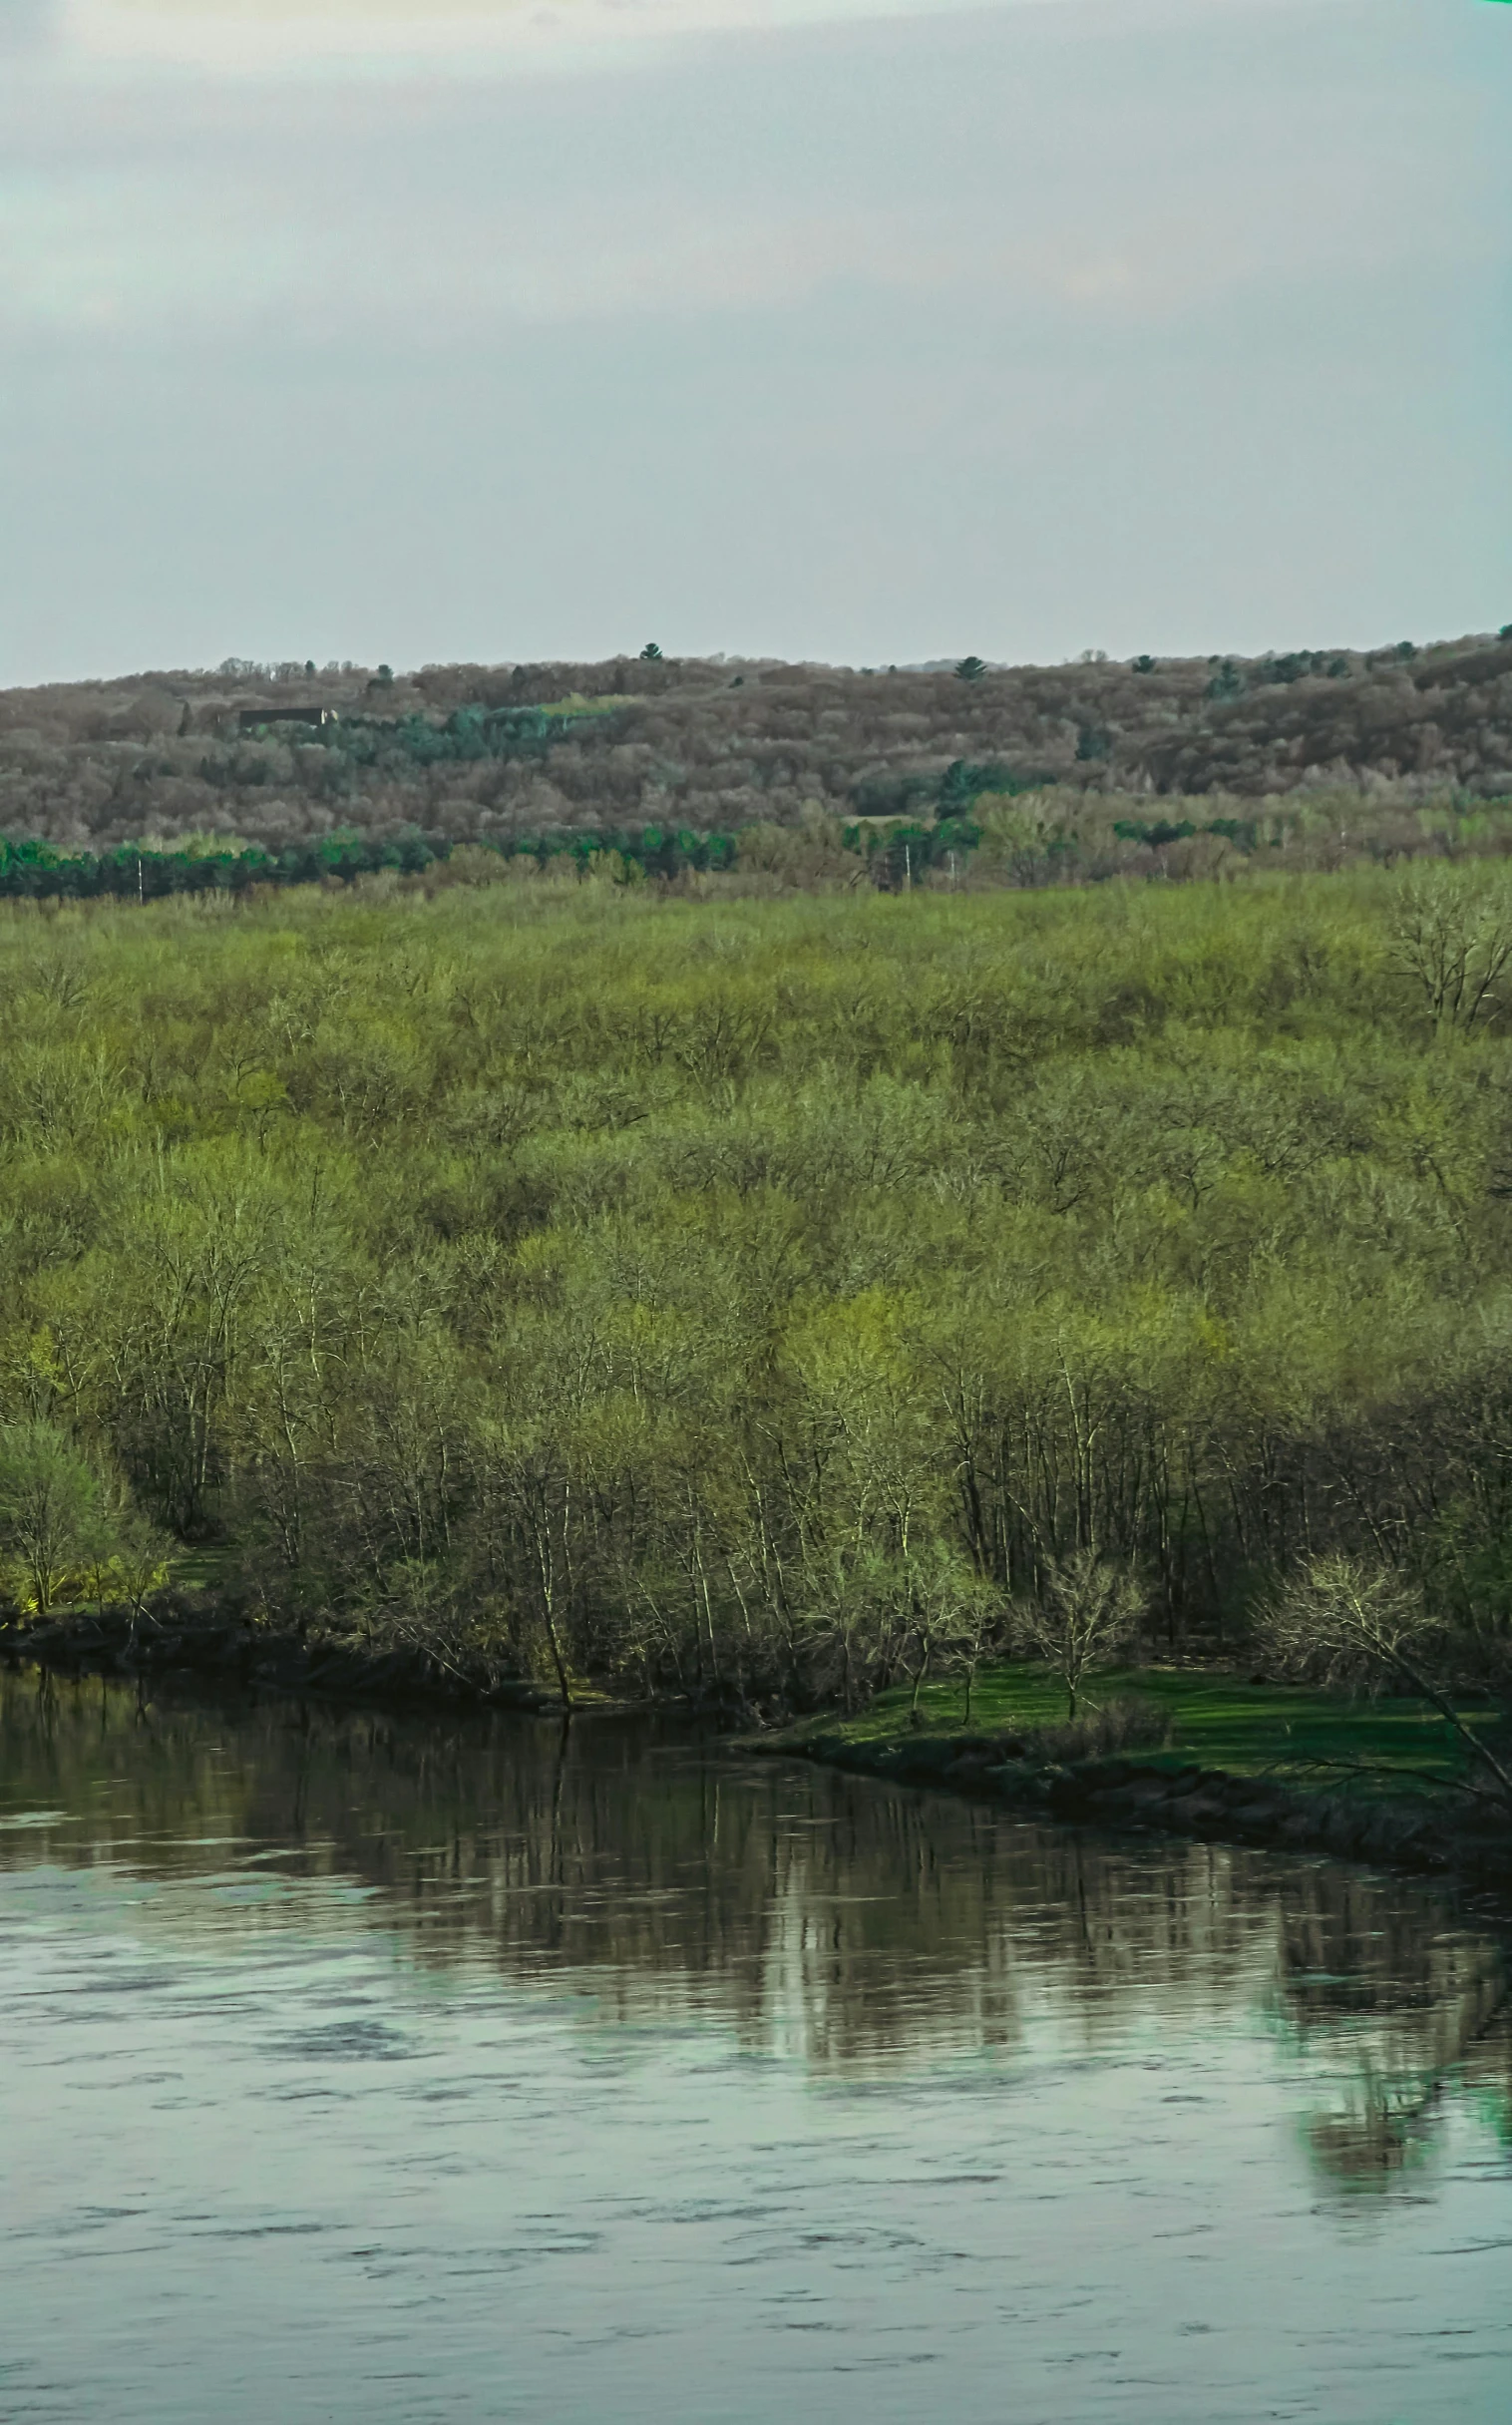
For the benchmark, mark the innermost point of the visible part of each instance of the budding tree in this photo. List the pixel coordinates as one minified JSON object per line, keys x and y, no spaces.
{"x":50,"y":1509}
{"x":1345,"y":1619}
{"x":1453,"y":934}
{"x":1088,"y":1608}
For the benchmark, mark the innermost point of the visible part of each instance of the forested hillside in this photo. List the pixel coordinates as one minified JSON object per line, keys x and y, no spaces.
{"x":719,"y":1290}
{"x":476,"y":753}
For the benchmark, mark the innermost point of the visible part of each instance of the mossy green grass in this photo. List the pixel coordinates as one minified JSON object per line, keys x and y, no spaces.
{"x":1289,"y":1732}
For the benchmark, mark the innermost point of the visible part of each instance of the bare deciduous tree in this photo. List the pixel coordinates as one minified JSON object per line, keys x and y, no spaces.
{"x":1347,"y":1619}
{"x":1454,"y":935}
{"x":1088,"y":1608}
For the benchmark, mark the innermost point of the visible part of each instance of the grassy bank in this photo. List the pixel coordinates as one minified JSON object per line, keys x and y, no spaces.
{"x":1273,"y":1767}
{"x":1286,"y":1732}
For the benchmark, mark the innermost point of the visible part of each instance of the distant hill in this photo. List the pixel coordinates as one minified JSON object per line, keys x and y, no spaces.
{"x":709,"y":744}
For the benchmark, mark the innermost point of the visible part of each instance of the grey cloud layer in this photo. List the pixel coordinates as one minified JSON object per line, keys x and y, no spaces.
{"x":1060,"y":163}
{"x":866,"y":320}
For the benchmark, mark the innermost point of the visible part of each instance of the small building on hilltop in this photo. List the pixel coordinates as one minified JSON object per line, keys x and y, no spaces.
{"x":250,"y":719}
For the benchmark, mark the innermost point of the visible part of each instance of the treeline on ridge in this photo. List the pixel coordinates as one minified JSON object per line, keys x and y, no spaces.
{"x":716,"y":747}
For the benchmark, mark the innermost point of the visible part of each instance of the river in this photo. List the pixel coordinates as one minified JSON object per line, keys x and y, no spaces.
{"x":378,"y":2071}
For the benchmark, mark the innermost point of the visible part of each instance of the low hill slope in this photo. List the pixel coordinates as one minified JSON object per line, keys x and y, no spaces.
{"x":474,"y":752}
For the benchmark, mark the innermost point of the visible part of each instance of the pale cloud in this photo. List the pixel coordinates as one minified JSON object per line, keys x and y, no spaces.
{"x":281,"y":35}
{"x":716,"y":181}
{"x":1142,"y":322}
{"x":292,"y":35}
{"x":27,"y":27}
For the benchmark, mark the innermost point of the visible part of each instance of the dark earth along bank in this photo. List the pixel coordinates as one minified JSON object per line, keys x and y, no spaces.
{"x":193,"y":1638}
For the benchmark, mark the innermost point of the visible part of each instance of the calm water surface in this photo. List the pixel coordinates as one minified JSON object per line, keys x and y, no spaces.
{"x":354,"y":2068}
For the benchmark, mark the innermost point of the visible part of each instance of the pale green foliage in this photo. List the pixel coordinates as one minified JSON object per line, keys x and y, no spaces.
{"x":138,"y":1561}
{"x":761,"y":1293}
{"x":66,"y":1532}
{"x":52,"y":1518}
{"x":1346,"y":1619}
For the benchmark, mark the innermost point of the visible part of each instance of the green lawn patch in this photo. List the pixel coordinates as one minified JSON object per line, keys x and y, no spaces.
{"x":202,"y":1570}
{"x":1219,"y":1721}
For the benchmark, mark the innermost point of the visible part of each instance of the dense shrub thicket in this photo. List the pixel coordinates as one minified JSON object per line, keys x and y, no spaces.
{"x":474,"y":753}
{"x":756,"y":1293}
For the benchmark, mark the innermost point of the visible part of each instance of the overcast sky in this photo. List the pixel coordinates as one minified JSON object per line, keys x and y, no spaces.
{"x":808,"y":327}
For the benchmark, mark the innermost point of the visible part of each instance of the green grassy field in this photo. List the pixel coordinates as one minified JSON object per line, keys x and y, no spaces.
{"x":1285,"y":1731}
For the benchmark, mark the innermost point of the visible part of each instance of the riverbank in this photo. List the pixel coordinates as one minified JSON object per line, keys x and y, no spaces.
{"x":193,"y":1636}
{"x":1246,"y":1762}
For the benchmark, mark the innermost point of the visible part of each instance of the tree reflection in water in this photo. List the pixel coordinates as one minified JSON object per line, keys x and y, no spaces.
{"x":862,"y":1929}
